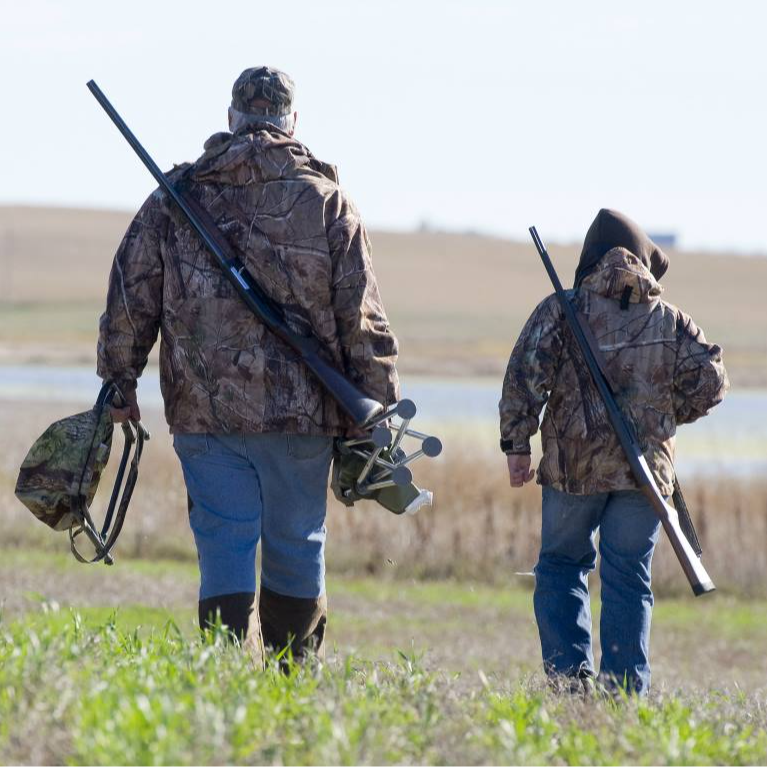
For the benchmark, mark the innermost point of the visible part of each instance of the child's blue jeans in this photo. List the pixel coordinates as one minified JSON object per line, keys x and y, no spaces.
{"x":628,"y":531}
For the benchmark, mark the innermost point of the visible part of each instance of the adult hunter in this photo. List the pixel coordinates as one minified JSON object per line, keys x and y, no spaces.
{"x":252,"y":427}
{"x":666,"y":374}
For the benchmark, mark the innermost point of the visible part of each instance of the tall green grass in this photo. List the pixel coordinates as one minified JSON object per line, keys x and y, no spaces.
{"x":77,"y":692}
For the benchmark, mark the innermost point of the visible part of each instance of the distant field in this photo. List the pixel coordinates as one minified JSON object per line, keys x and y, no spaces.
{"x":457,"y":302}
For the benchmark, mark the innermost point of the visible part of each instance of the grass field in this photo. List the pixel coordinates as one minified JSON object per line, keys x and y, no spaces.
{"x":442,"y":673}
{"x":457,"y":302}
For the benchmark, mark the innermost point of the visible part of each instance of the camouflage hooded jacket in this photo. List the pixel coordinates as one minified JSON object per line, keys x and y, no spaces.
{"x":666,"y":372}
{"x":302,"y":239}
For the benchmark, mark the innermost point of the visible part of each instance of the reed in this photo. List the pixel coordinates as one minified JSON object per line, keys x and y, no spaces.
{"x":478,"y":528}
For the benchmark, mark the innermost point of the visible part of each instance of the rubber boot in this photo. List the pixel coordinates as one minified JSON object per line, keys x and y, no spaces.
{"x":239,"y":616}
{"x":293,"y":622}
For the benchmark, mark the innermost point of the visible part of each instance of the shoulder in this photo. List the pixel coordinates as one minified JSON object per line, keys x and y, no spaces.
{"x":340,"y":210}
{"x":322,"y":180}
{"x":545,"y":318}
{"x":675,"y":315}
{"x":153,"y":215}
{"x":158,"y":202}
{"x":550,"y":307}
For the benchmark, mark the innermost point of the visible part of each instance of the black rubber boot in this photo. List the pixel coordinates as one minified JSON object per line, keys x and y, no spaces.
{"x":293,"y":622}
{"x":239,"y":615}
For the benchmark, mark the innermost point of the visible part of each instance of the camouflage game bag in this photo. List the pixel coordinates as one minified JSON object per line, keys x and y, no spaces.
{"x":60,"y":475}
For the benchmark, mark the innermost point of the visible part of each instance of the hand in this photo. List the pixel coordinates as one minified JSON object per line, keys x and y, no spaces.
{"x":129,"y":412}
{"x":519,"y":469}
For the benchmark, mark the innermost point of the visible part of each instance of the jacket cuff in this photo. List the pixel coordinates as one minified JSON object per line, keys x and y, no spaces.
{"x":510,"y":447}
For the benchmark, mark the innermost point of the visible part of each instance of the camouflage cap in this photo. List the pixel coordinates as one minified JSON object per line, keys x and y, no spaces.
{"x":259,"y":84}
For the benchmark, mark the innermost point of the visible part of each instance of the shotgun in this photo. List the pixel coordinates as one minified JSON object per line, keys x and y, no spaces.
{"x":371,"y":464}
{"x":361,"y":409}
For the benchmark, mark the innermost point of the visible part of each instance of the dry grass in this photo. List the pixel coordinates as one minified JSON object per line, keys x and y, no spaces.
{"x":478,"y":527}
{"x":457,"y":302}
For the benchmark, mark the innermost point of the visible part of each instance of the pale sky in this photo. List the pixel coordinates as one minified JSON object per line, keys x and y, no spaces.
{"x":486,"y":116}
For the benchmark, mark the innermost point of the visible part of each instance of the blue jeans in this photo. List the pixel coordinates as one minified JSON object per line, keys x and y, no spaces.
{"x":246,"y":488}
{"x":628,"y":531}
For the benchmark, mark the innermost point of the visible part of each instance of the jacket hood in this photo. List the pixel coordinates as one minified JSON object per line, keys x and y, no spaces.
{"x":622,"y":276}
{"x":257,"y":153}
{"x":611,"y":229}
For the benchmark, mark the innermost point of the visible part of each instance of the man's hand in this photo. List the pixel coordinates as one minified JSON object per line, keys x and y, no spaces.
{"x":519,"y":469}
{"x":129,"y":412}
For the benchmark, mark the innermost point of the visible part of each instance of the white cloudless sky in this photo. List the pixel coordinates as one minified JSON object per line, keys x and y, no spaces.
{"x":485,"y":116}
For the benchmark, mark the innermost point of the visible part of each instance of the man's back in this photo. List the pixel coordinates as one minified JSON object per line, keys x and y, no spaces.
{"x":253,"y":429}
{"x":302,"y":239}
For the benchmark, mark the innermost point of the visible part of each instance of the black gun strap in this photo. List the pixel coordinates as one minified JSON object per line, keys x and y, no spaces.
{"x":685,"y":520}
{"x":591,"y":340}
{"x":182,"y":186}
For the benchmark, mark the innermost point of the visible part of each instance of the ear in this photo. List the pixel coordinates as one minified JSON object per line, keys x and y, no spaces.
{"x":295,"y":120}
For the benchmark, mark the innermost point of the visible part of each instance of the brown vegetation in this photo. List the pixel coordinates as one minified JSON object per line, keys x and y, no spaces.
{"x":478,"y":528}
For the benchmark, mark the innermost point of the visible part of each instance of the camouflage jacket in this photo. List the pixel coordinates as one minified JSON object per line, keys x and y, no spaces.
{"x":303,"y":241}
{"x":666,"y":373}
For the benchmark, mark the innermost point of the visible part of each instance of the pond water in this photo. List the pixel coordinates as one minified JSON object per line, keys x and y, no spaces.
{"x":732,"y":439}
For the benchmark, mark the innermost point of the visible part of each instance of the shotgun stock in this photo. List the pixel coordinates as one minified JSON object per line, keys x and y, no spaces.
{"x":691,"y":565}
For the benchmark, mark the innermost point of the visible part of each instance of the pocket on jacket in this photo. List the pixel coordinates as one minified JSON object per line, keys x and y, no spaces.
{"x":305,"y":446}
{"x":191,"y":445}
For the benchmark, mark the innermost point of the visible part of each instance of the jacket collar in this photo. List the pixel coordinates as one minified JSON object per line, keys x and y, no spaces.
{"x":259,"y":152}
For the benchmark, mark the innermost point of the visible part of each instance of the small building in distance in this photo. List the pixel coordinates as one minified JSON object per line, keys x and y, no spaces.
{"x":664,"y":239}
